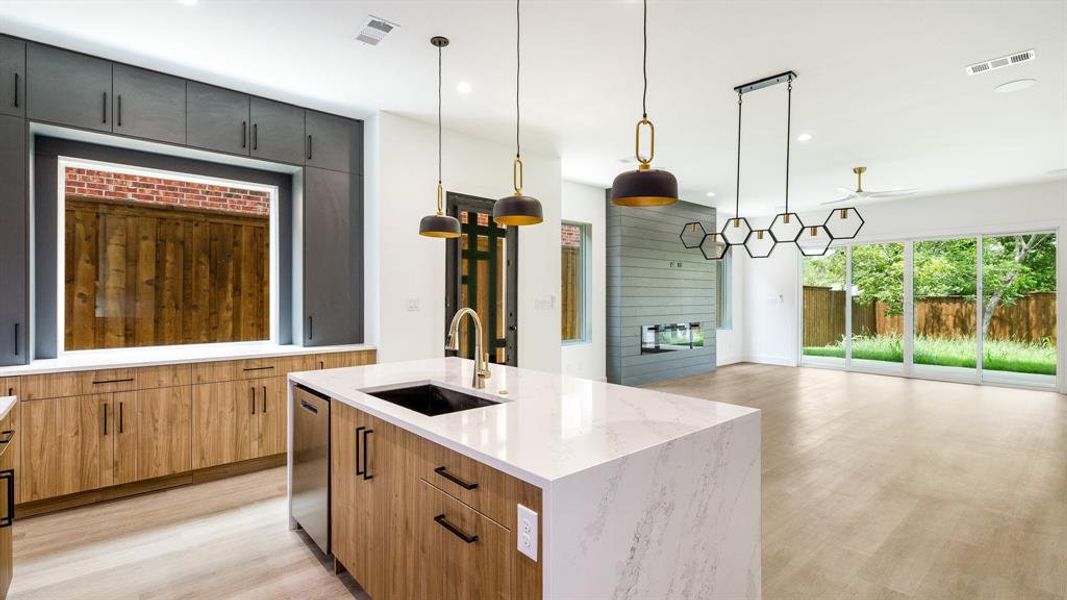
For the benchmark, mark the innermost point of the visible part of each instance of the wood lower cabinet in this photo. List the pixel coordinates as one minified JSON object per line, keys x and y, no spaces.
{"x":67,"y":445}
{"x":8,"y":483}
{"x":402,"y":537}
{"x":152,"y":437}
{"x":238,"y":420}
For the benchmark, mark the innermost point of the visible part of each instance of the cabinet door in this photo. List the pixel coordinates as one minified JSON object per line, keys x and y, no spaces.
{"x":217,"y":118}
{"x":220,"y":425}
{"x":14,"y":226}
{"x":334,"y":142}
{"x":270,"y":394}
{"x":355,"y":521}
{"x":67,"y":445}
{"x":10,"y":469}
{"x":464,"y":555}
{"x":333,"y":255}
{"x":12,"y":77}
{"x":154,"y":429}
{"x":277,"y":131}
{"x":68,"y":88}
{"x":149,"y":105}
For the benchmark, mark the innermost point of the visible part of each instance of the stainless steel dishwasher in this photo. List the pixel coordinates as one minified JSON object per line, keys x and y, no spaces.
{"x":311,"y":464}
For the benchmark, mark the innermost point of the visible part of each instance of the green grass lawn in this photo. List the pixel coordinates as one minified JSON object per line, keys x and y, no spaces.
{"x":999,"y":355}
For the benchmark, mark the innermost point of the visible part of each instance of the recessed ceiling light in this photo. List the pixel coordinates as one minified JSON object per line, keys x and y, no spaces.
{"x":1014,"y":86}
{"x":710,"y":194}
{"x":188,"y":2}
{"x":463,"y":87}
{"x":804,"y":137}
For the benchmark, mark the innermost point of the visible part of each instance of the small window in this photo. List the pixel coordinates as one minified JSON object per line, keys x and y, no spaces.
{"x":151,"y":258}
{"x":723,"y":289}
{"x":575,"y":283}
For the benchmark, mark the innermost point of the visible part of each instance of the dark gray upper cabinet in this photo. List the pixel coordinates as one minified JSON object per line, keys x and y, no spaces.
{"x":14,"y":276}
{"x":277,"y":131}
{"x":333,"y":258}
{"x":68,"y":88}
{"x":217,"y":118}
{"x":12,"y":77}
{"x":334,"y":143}
{"x":149,"y":105}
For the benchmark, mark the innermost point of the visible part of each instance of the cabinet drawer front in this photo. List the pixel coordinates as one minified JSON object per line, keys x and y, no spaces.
{"x":59,"y":385}
{"x":481,"y":487}
{"x":465,"y":555}
{"x":9,"y":386}
{"x":334,"y":360}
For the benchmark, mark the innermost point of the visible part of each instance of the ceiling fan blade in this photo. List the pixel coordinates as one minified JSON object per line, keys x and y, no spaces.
{"x":892,"y":193}
{"x":840,"y":200}
{"x":848,"y":191}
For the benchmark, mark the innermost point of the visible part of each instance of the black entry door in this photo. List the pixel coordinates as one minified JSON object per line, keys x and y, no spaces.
{"x":482,"y":269}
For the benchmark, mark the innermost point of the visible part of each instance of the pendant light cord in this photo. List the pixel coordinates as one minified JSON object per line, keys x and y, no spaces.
{"x":439,"y":134}
{"x":737,"y":205}
{"x":518,"y":66}
{"x":788,"y":138}
{"x":644,"y":62}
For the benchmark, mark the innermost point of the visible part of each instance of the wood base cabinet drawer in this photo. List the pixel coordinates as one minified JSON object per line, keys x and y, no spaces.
{"x":77,"y":383}
{"x":477,"y":485}
{"x":464,"y":554}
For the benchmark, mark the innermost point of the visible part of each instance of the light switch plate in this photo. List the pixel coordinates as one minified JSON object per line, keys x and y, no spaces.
{"x":527,"y":534}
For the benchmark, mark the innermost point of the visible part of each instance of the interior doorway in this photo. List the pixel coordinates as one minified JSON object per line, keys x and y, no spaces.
{"x":481,"y":271}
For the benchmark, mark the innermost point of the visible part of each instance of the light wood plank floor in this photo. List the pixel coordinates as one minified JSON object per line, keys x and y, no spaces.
{"x":884,"y":487}
{"x":873,"y":487}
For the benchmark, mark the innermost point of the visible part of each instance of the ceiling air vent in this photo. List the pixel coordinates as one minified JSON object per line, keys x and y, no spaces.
{"x":1003,"y":61}
{"x":375,"y":30}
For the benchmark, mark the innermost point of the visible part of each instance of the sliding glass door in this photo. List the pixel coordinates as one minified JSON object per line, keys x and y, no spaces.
{"x":974,"y":309}
{"x":1019,"y":308}
{"x":877,"y":292}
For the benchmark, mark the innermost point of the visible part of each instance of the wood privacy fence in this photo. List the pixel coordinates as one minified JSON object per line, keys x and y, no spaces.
{"x":571,"y":294}
{"x":1031,"y":318}
{"x":139,"y":275}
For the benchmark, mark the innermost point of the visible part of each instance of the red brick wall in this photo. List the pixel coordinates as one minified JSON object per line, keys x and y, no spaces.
{"x":172,"y":192}
{"x":571,"y":236}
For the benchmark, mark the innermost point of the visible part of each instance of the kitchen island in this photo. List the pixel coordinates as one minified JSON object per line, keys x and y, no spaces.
{"x":558,"y":488}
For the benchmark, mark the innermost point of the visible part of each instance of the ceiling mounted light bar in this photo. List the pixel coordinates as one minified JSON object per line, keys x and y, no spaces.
{"x":766,"y":82}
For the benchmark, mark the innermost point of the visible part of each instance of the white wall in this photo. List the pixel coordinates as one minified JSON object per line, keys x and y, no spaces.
{"x":404,"y":267}
{"x":730,"y":343}
{"x":586,"y":204}
{"x":772,"y":325}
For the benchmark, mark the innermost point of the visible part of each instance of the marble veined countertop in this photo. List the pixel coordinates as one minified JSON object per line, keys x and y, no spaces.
{"x":547,"y":426}
{"x":121,"y":358}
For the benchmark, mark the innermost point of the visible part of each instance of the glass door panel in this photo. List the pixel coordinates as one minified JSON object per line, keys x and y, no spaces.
{"x":823,"y":307}
{"x":877,"y":287}
{"x":1019,"y":309}
{"x":944,"y":282}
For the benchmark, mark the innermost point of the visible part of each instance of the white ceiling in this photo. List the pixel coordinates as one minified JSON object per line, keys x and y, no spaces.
{"x":880,"y":83}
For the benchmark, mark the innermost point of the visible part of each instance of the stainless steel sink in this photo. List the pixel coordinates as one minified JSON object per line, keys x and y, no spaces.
{"x":432,"y":400}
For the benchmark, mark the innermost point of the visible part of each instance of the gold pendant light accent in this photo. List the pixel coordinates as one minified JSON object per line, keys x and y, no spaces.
{"x":517,"y":209}
{"x":645,"y":186}
{"x":439,"y":225}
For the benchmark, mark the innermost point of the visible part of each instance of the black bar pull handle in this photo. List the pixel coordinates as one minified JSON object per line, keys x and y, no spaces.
{"x":118,"y":109}
{"x":17,"y":339}
{"x":105,"y":418}
{"x":264,"y":399}
{"x":122,"y":412}
{"x":443,"y":522}
{"x":9,"y":518}
{"x":304,"y":404}
{"x":311,"y":327}
{"x":359,"y":430}
{"x":244,"y":134}
{"x":16,"y":90}
{"x":123,"y":380}
{"x":267,"y":368}
{"x":6,"y":435}
{"x":309,"y":146}
{"x":255,"y":136}
{"x":366,"y":455}
{"x":443,"y":472}
{"x":252,"y":399}
{"x":105,"y":107}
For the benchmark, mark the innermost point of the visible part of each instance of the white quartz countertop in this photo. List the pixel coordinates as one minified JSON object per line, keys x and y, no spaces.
{"x":120,"y":358}
{"x":547,"y":427}
{"x":6,"y":404}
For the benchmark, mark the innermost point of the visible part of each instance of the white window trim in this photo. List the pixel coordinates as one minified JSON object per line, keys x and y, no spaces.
{"x":585,"y":245}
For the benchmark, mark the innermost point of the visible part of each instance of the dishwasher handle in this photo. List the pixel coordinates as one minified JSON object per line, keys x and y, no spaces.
{"x":308,"y":407}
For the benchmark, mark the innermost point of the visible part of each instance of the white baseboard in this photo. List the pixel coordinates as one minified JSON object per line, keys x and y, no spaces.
{"x":763,"y":359}
{"x":733,"y":360}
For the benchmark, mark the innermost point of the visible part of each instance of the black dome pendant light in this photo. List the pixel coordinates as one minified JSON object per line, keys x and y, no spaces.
{"x":517,"y":209}
{"x":645,"y":186}
{"x":439,"y":225}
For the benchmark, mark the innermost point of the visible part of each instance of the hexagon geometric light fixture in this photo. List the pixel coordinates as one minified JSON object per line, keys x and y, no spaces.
{"x":844,"y":223}
{"x":736,"y":231}
{"x":692,"y":235}
{"x":713,"y":247}
{"x":760,"y":243}
{"x":786,"y":227}
{"x":814,"y":240}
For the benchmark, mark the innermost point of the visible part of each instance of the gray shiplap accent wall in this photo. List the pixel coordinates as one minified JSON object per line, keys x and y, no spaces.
{"x":653,"y":279}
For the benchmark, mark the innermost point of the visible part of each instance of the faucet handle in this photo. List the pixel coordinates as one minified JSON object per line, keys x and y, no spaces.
{"x":486,"y":373}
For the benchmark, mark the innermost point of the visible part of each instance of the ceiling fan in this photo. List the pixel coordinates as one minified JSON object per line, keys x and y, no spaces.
{"x":861,"y":194}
